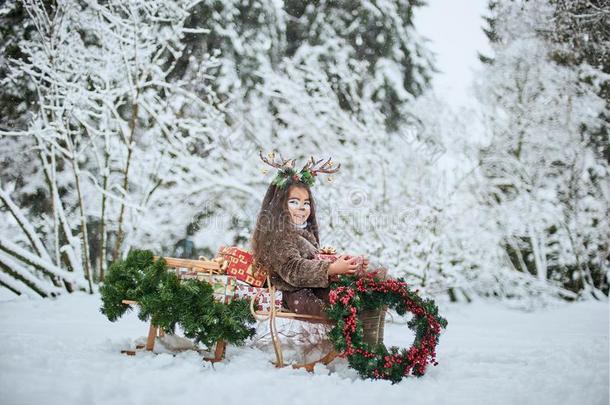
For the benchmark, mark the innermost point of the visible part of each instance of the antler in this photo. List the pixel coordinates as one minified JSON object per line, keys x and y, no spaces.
{"x":309,"y":164}
{"x":325,"y":168}
{"x":288,"y":163}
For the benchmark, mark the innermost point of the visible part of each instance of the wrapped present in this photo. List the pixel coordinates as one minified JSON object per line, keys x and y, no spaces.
{"x":330,"y":254}
{"x":223,"y":286}
{"x":241,"y":265}
{"x":263,"y":302}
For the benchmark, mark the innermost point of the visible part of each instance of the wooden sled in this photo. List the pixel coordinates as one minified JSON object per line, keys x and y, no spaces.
{"x":214,"y":267}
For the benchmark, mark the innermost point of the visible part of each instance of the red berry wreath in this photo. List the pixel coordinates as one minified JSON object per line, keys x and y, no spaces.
{"x":351,"y":295}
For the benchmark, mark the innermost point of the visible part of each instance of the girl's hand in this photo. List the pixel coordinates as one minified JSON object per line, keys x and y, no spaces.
{"x":364,"y":269}
{"x":342,"y":265}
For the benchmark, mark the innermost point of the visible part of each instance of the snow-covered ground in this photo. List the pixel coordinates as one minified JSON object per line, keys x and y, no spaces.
{"x":64,"y":351}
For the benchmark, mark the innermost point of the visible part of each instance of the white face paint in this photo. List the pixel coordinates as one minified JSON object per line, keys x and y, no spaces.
{"x":299,"y":205}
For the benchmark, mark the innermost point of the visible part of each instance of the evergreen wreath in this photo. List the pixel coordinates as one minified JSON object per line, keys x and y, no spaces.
{"x":170,"y":302}
{"x":350,"y":295}
{"x":285,"y":175}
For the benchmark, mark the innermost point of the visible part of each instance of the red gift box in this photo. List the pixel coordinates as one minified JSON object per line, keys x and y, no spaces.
{"x":263,"y":302}
{"x":331,"y":257}
{"x":223,"y":286}
{"x":241,"y":265}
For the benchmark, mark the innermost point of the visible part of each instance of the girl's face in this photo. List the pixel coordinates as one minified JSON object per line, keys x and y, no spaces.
{"x":298,"y":205}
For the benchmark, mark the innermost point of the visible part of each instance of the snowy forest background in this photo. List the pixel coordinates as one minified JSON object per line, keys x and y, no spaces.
{"x":138,"y":124}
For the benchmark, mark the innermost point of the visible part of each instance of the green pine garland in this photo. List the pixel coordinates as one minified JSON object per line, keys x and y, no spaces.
{"x":284,"y":175}
{"x":170,"y":302}
{"x":350,"y":295}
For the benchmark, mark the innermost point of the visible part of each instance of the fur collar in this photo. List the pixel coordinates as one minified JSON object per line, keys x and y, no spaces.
{"x":307,"y":234}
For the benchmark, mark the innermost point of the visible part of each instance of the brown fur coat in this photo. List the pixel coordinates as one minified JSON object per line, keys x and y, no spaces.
{"x":292,"y":266}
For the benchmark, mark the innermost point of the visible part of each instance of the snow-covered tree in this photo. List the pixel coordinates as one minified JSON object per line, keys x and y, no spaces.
{"x":548,"y":186}
{"x":137,"y":123}
{"x":109,"y":130}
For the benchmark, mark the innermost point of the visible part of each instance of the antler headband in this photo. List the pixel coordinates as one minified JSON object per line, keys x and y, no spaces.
{"x":306,"y":175}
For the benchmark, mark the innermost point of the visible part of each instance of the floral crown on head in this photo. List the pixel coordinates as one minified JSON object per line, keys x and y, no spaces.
{"x":306,"y":175}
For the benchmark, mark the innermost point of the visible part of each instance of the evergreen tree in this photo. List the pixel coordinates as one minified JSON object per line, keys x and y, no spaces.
{"x":257,"y":34}
{"x":539,"y":162}
{"x":582,"y":34}
{"x":490,"y":31}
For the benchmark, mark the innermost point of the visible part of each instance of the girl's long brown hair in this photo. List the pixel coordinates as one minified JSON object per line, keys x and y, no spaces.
{"x":273,"y":222}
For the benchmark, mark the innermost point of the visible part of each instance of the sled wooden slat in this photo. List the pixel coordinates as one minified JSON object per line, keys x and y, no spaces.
{"x":298,"y":317}
{"x":196,"y":265}
{"x":152,"y":335}
{"x":324,"y":360}
{"x":129,"y":352}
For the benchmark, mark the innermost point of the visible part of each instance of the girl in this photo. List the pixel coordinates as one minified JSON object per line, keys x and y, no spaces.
{"x":286,"y":240}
